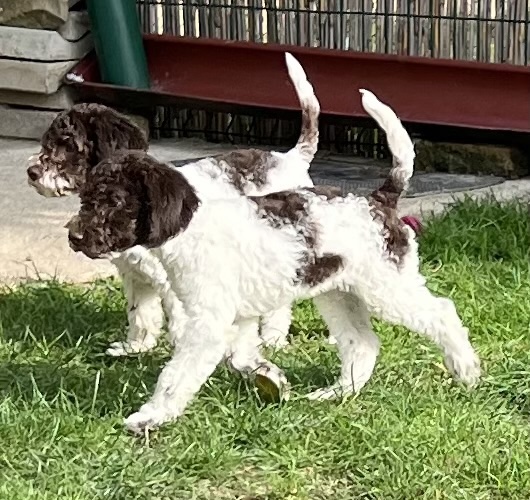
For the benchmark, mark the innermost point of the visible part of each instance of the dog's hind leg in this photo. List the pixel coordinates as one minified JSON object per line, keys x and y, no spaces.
{"x":275,"y":327}
{"x":349,"y":324}
{"x":243,"y":356}
{"x":145,"y":315}
{"x":405,"y":300}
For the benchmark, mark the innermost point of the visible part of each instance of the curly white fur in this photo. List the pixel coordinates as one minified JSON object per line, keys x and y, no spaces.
{"x":257,"y":273}
{"x":209,"y":178}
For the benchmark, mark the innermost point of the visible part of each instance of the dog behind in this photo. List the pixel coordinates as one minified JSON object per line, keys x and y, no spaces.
{"x":271,"y":248}
{"x":82,"y":137}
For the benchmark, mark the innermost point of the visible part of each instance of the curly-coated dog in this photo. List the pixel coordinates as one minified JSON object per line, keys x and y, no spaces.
{"x":220,"y":264}
{"x":80,"y":138}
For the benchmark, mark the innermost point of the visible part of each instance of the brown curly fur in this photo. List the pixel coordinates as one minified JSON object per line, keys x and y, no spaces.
{"x":384,"y":208}
{"x":81,"y":137}
{"x":246,"y":165}
{"x":131,"y":199}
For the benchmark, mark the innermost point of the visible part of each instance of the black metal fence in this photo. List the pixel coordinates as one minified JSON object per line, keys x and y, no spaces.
{"x":481,"y":30}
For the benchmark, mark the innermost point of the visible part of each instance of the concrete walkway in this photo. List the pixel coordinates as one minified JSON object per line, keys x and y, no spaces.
{"x":33,"y":241}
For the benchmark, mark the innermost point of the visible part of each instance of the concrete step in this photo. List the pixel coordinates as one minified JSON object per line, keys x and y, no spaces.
{"x":24,"y":123}
{"x":62,"y":99}
{"x":41,"y":45}
{"x":30,"y":76}
{"x":38,"y":14}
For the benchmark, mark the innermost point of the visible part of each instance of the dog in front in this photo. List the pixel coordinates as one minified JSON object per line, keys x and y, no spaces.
{"x":82,"y":137}
{"x":221,"y":264}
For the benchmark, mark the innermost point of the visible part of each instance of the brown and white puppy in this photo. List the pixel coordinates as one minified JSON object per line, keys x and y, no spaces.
{"x":80,"y":138}
{"x":220,"y":264}
{"x":297,"y":245}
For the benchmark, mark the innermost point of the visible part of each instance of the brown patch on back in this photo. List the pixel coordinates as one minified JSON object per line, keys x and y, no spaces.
{"x":247,"y":166}
{"x":321,"y":269}
{"x":290,"y":207}
{"x":329,"y":192}
{"x":384,"y":208}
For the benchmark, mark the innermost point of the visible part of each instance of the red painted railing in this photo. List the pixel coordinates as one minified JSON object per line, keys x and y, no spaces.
{"x":240,"y":76}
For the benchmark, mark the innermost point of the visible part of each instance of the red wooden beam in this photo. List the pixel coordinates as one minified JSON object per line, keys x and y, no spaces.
{"x":240,"y":76}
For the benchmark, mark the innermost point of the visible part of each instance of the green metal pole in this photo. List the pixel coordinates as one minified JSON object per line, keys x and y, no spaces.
{"x":118,"y":42}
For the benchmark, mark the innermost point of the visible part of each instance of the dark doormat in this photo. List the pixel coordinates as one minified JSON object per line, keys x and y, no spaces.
{"x":361,"y":176}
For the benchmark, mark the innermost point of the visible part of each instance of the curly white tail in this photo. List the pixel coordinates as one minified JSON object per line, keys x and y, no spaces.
{"x":307,"y":144}
{"x":399,"y":141}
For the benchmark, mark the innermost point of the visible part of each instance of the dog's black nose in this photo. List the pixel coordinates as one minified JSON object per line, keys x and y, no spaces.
{"x":33,"y":172}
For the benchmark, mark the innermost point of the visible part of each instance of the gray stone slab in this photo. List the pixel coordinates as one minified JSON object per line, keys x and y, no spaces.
{"x":24,"y":123}
{"x":41,"y":45}
{"x":472,"y":158}
{"x":38,"y":14}
{"x":30,"y":76}
{"x":76,"y":26}
{"x":62,"y":99}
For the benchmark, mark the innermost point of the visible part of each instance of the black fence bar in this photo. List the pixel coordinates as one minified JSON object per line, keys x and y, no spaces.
{"x":480,"y":30}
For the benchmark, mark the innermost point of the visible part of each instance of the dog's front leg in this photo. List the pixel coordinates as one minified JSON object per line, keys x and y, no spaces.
{"x":149,"y":294}
{"x":144,"y":312}
{"x":200,"y":350}
{"x":274,"y":327}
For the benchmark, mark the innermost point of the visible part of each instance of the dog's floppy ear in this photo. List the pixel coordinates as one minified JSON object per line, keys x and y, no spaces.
{"x":171,"y":202}
{"x":111,"y":131}
{"x":65,"y":132}
{"x":130,"y":199}
{"x":94,"y":130}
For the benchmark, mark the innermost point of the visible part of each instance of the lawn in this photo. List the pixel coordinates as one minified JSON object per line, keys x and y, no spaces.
{"x":411,"y":433}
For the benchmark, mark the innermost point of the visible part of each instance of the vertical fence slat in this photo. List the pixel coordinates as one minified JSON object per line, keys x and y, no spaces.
{"x":485,"y":30}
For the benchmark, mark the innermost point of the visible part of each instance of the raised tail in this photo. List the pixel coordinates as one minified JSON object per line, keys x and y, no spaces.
{"x":307,"y":144}
{"x":399,"y":143}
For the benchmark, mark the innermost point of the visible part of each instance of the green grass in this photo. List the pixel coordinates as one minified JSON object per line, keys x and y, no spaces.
{"x":411,"y":433}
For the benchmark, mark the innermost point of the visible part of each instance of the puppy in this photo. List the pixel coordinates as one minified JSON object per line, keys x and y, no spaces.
{"x":220,"y":264}
{"x":87,"y":134}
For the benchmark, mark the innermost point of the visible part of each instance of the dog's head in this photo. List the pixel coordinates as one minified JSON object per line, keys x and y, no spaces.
{"x":130,"y":199}
{"x":76,"y":141}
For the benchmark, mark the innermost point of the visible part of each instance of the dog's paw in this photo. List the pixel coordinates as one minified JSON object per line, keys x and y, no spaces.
{"x":127,"y":348}
{"x":143,"y":419}
{"x":335,"y":391}
{"x":465,"y":367}
{"x":325,"y":394}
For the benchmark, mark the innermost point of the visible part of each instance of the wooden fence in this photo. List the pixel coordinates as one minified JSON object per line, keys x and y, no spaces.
{"x":481,"y":30}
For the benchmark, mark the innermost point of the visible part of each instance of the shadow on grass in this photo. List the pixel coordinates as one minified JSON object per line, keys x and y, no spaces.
{"x":55,"y":336}
{"x":93,"y":389}
{"x":58,"y":314}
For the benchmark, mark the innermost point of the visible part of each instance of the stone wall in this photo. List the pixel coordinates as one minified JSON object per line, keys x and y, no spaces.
{"x":40,"y":41}
{"x":503,"y":161}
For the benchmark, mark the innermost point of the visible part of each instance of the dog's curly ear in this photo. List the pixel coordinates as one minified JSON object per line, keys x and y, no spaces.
{"x":111,"y":131}
{"x":130,"y":199}
{"x":66,"y":132}
{"x":171,"y":202}
{"x":94,"y":130}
